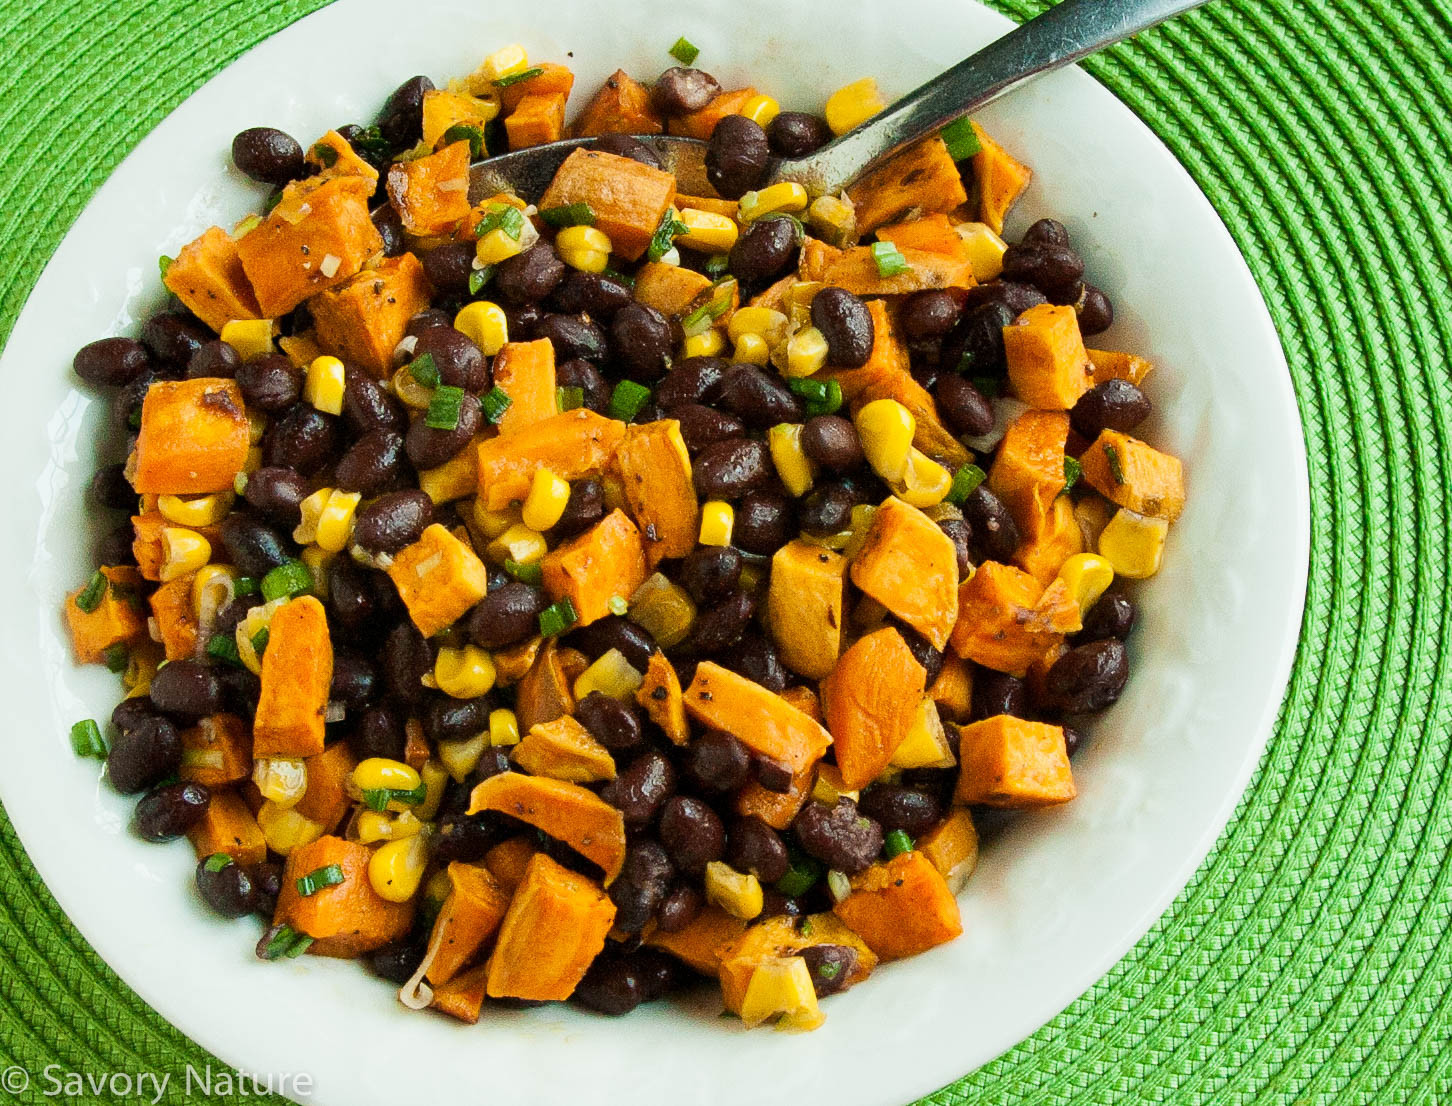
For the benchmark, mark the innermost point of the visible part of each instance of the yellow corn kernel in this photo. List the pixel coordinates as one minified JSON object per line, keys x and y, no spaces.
{"x":761,"y":321}
{"x":786,"y":197}
{"x":258,"y":619}
{"x":213,"y":587}
{"x":282,"y":780}
{"x":485,"y":324}
{"x":663,"y":610}
{"x":497,"y":246}
{"x":504,"y":61}
{"x":796,"y":469}
{"x":311,"y":511}
{"x":614,"y":493}
{"x":833,"y":219}
{"x":1133,"y":544}
{"x":253,"y":462}
{"x":1092,"y":513}
{"x":611,"y":675}
{"x":493,"y":523}
{"x":761,"y":109}
{"x":382,"y":774}
{"x":584,"y":248}
{"x":197,"y":510}
{"x":251,"y":338}
{"x":465,"y":673}
{"x":318,"y":561}
{"x":396,"y":869}
{"x":371,"y":826}
{"x":985,"y":250}
{"x":853,"y":104}
{"x":781,"y":986}
{"x":256,"y":426}
{"x":335,"y":522}
{"x":546,"y":500}
{"x":503,"y":727}
{"x":284,"y":829}
{"x":460,"y":756}
{"x":707,"y":231}
{"x":737,"y":893}
{"x":806,"y":352}
{"x":717,"y":521}
{"x":862,"y":516}
{"x":751,"y":579}
{"x":709,"y":343}
{"x":751,"y":349}
{"x":323,"y":385}
{"x":926,"y":744}
{"x":828,"y":786}
{"x":1088,"y":576}
{"x":924,"y":481}
{"x":412,"y":391}
{"x":519,"y":544}
{"x":435,"y":778}
{"x":142,"y":662}
{"x":886,"y":429}
{"x":183,"y":552}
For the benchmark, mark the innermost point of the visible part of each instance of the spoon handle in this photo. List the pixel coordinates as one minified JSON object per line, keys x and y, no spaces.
{"x":1059,"y":36}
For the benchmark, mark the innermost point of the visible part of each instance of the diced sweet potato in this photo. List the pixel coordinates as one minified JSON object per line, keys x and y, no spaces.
{"x":952,"y":847}
{"x":194,"y":437}
{"x":208,"y":277}
{"x":699,"y":944}
{"x":952,"y":691}
{"x":117,"y":619}
{"x":1050,"y":539}
{"x":1028,"y":471}
{"x":785,"y":936}
{"x":525,"y":372}
{"x":922,"y":177}
{"x":804,"y":607}
{"x":655,"y":470}
{"x":661,"y":697}
{"x":622,"y":106}
{"x":565,"y":811}
{"x":673,"y":290}
{"x":455,"y":478}
{"x":544,"y":692}
{"x":714,"y":204}
{"x":171,"y":606}
{"x":700,"y":124}
{"x":439,"y":578}
{"x":871,"y":698}
{"x":217,"y":751}
{"x":934,"y":233}
{"x":507,"y":860}
{"x":539,"y":118}
{"x":348,"y":918}
{"x":445,"y":108}
{"x":431,"y":194}
{"x":856,"y":270}
{"x":628,"y":198}
{"x":778,"y":808}
{"x":227,"y":826}
{"x":606,"y":561}
{"x":334,"y":156}
{"x":462,"y":997}
{"x":470,"y":916}
{"x":911,"y":567}
{"x":301,"y":349}
{"x":805,"y":700}
{"x":1047,"y":365}
{"x":901,"y":908}
{"x":1000,"y":622}
{"x":1010,"y":762}
{"x":316,"y":237}
{"x":1111,"y":365}
{"x":551,"y":78}
{"x":572,"y":445}
{"x":297,"y":673}
{"x":555,"y":926}
{"x":326,"y":800}
{"x":1132,"y":474}
{"x":363,"y":319}
{"x":564,"y":750}
{"x":1001,"y":180}
{"x":761,"y":719}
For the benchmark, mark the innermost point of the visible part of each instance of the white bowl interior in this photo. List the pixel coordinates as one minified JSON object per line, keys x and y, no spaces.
{"x":1056,"y":900}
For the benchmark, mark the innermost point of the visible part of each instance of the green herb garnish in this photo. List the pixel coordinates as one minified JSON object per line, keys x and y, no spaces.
{"x":117,"y":658}
{"x":569,"y":397}
{"x":514,"y":78}
{"x":888,"y":259}
{"x":685,"y":51}
{"x":164,"y":263}
{"x":330,"y":876}
{"x":530,"y":573}
{"x":1072,"y":471}
{"x":965,"y":481}
{"x":558,"y":617}
{"x":961,"y":139}
{"x":443,"y":412}
{"x":501,"y":217}
{"x":478,"y":278}
{"x":224,"y":648}
{"x":665,"y":235}
{"x":325,"y":155}
{"x":462,"y":132}
{"x":425,"y":370}
{"x":216,"y":862}
{"x":286,"y":580}
{"x":284,"y":943}
{"x":86,"y":739}
{"x":820,"y":397}
{"x":379,"y":798}
{"x":627,"y":399}
{"x":91,"y":595}
{"x":896,"y":843}
{"x":1116,"y":468}
{"x":578,"y":214}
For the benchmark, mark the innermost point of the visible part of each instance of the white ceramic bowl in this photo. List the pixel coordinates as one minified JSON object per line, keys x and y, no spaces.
{"x":1054,"y":903}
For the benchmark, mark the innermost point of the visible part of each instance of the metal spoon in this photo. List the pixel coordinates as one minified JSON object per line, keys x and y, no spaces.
{"x":1060,"y":36}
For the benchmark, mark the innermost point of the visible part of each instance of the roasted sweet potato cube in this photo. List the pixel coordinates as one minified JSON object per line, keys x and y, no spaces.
{"x":662,"y":699}
{"x":700,"y":943}
{"x":431,"y":194}
{"x":564,"y":750}
{"x":911,"y":567}
{"x":871,"y":698}
{"x":778,"y":808}
{"x":764,"y":721}
{"x":856,"y":270}
{"x":952,"y":848}
{"x":217,"y":751}
{"x":655,"y":470}
{"x":700,"y":124}
{"x":804,"y":607}
{"x":572,"y":444}
{"x":363,"y":319}
{"x":1001,"y":180}
{"x":470,"y":916}
{"x":228,"y":826}
{"x":194,"y":437}
{"x":1000,"y":622}
{"x":1127,"y":471}
{"x":171,"y":606}
{"x":117,"y":619}
{"x":1047,"y":365}
{"x":1010,"y":762}
{"x":1050,"y":539}
{"x":545,"y":690}
{"x":348,"y":918}
{"x":525,"y":372}
{"x":507,"y":860}
{"x":952,"y":691}
{"x":326,"y":800}
{"x":1028,"y":470}
{"x":673,"y":290}
{"x":297,"y":674}
{"x":901,"y":908}
{"x":622,"y":106}
{"x":628,"y":198}
{"x":922,"y":177}
{"x":539,"y":118}
{"x":208,"y":277}
{"x":563,"y":810}
{"x":439,"y":578}
{"x":606,"y":561}
{"x":334,"y":156}
{"x":555,"y":927}
{"x":462,"y":997}
{"x":551,"y":78}
{"x":934,"y":233}
{"x":1112,"y":365}
{"x":443,"y":108}
{"x":786,"y":936}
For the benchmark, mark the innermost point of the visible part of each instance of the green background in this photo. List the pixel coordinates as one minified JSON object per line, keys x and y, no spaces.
{"x":1308,"y":960}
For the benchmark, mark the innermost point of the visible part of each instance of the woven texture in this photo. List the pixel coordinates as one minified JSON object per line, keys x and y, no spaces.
{"x":1309,"y":959}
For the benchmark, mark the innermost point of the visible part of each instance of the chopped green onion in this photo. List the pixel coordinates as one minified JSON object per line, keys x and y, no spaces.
{"x":371,"y":140}
{"x":710,"y":311}
{"x":331,"y":876}
{"x":665,"y":235}
{"x":530,"y":573}
{"x":224,"y":648}
{"x":569,"y":397}
{"x":514,"y":78}
{"x":685,"y":51}
{"x":1072,"y":471}
{"x":627,"y":399}
{"x":283,"y":942}
{"x":717,"y":264}
{"x":501,"y":217}
{"x":801,"y":876}
{"x":1116,"y":468}
{"x":164,"y":263}
{"x":325,"y":155}
{"x":133,"y":420}
{"x":91,"y":595}
{"x":578,"y":214}
{"x":619,"y":278}
{"x":273,"y":199}
{"x":965,"y":480}
{"x":889,"y":259}
{"x":286,"y":580}
{"x":495,"y":404}
{"x":478,"y":278}
{"x":462,"y":132}
{"x":245,"y":585}
{"x":378,"y":799}
{"x":990,"y":386}
{"x":961,"y":139}
{"x":618,"y":605}
{"x":260,"y":640}
{"x":86,"y":739}
{"x":216,"y":862}
{"x":896,"y":843}
{"x":425,"y":370}
{"x":117,"y":658}
{"x":829,"y":970}
{"x":558,"y":617}
{"x":820,"y":397}
{"x":443,"y":412}
{"x":838,"y":885}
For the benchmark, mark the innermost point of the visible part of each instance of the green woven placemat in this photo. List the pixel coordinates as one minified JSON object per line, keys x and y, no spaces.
{"x":1309,"y":959}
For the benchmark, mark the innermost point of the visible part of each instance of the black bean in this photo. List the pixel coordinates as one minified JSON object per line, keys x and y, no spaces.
{"x":1046,"y":232}
{"x":614,"y":724}
{"x":466,"y":837}
{"x":832,"y":442}
{"x":1114,"y":405}
{"x":680,"y":91}
{"x":573,"y":336}
{"x":776,"y":905}
{"x":995,"y":535}
{"x":127,"y":403}
{"x":901,"y":808}
{"x":169,"y":811}
{"x":1048,"y":267}
{"x":759,"y":399}
{"x":640,"y":337}
{"x":763,"y":522}
{"x":187,"y":689}
{"x":718,"y":762}
{"x":753,"y":846}
{"x":737,"y":155}
{"x":592,"y":294}
{"x":1088,"y":677}
{"x":756,"y":658}
{"x":429,"y":316}
{"x":429,"y":448}
{"x":694,"y":380}
{"x":641,"y":788}
{"x":839,"y":836}
{"x":614,"y":632}
{"x":397,"y":962}
{"x":975,"y":344}
{"x":830,"y":967}
{"x":407,"y":659}
{"x":148,"y":748}
{"x":268,"y":155}
{"x":585,"y":376}
{"x":240,"y":690}
{"x":174,"y":337}
{"x":703,"y":426}
{"x":922,"y":650}
{"x":355,"y":680}
{"x":996,"y":693}
{"x":351,"y":594}
{"x":460,"y":362}
{"x":225,"y":886}
{"x":449,"y":267}
{"x":530,"y":276}
{"x":960,"y":533}
{"x":110,"y":488}
{"x":1111,"y":617}
{"x":720,"y":627}
{"x":612,"y":985}
{"x":730,"y":469}
{"x":371,"y":464}
{"x":214,"y":359}
{"x":681,"y":906}
{"x":392,"y":521}
{"x":379,"y":733}
{"x":270,"y":383}
{"x":449,"y":719}
{"x":584,"y":508}
{"x":773,"y":775}
{"x":1096,"y":311}
{"x":847,"y":325}
{"x":304,"y":439}
{"x":964,"y":409}
{"x":623,"y":145}
{"x":390,"y":228}
{"x":642,"y":884}
{"x":928,"y":314}
{"x":692,"y":834}
{"x":797,"y":133}
{"x":115,"y":547}
{"x":709,"y":572}
{"x":763,"y":250}
{"x":401,"y":118}
{"x":1014,"y":295}
{"x":507,"y":615}
{"x":828,"y":509}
